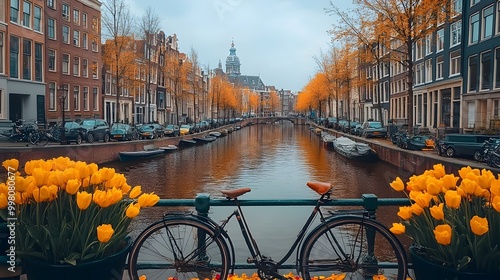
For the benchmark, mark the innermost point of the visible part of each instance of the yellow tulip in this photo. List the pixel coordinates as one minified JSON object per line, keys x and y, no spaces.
{"x":495,"y":187}
{"x":83,"y":169}
{"x":83,"y":200}
{"x":135,"y":192}
{"x":398,"y":185}
{"x":116,"y":181}
{"x":398,"y":228}
{"x":449,"y":181}
{"x":437,"y":211}
{"x":101,"y":198}
{"x":115,"y":195}
{"x":147,"y":200}
{"x":4,"y":189}
{"x":104,"y":233}
{"x":423,"y":199}
{"x":468,"y":172}
{"x":56,"y":178}
{"x":443,"y":233}
{"x":133,"y":210}
{"x":496,"y":203}
{"x":379,"y":277}
{"x":93,"y":168}
{"x":416,"y":209}
{"x":86,"y":182}
{"x":73,"y":185}
{"x":405,"y":212}
{"x":47,"y":165}
{"x":126,"y":188}
{"x":469,"y":186}
{"x":19,"y":199}
{"x":96,"y":179}
{"x":142,"y":277}
{"x":61,"y":163}
{"x":70,"y":173}
{"x":452,"y":199}
{"x":479,"y":225}
{"x":438,"y":170}
{"x":434,"y":186}
{"x":3,"y":201}
{"x":40,"y":176}
{"x":107,"y":173}
{"x":484,"y":181}
{"x":11,"y":165}
{"x":42,"y":194}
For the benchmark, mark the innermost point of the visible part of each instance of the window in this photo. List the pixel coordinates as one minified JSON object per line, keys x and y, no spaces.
{"x":85,"y":98}
{"x":14,"y":57}
{"x":488,"y":22}
{"x":486,"y":70}
{"x":1,"y":52}
{"x":76,"y":38}
{"x":38,"y":62}
{"x":76,"y":98}
{"x":52,"y":60}
{"x":94,"y":45}
{"x":473,"y":73}
{"x":455,"y":63}
{"x":428,"y":70}
{"x":497,"y":68}
{"x":65,"y":11}
{"x":474,"y":2}
{"x":76,"y":66}
{"x":419,"y":74}
{"x":37,"y":21}
{"x":474,"y":29}
{"x":84,"y":19}
{"x":95,"y":24}
{"x":14,"y":11}
{"x":456,"y":6}
{"x":52,"y":96}
{"x":95,"y":99}
{"x":428,"y":44}
{"x":51,"y":28}
{"x":456,"y":33}
{"x":51,"y":4}
{"x":419,"y":49}
{"x":498,"y":18}
{"x":65,"y":63}
{"x":85,"y":41}
{"x":76,"y":16}
{"x":65,"y":34}
{"x":439,"y":67}
{"x":85,"y":68}
{"x":440,"y":40}
{"x":26,"y":14}
{"x":26,"y":59}
{"x":94,"y":69}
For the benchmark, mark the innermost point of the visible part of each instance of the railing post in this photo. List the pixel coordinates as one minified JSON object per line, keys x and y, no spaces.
{"x":370,"y":204}
{"x":202,"y":204}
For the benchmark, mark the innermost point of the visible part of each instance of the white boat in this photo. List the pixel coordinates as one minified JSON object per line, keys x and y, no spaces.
{"x":215,"y":133}
{"x":127,"y":156}
{"x":328,"y":139}
{"x":353,"y":150}
{"x":169,"y":148}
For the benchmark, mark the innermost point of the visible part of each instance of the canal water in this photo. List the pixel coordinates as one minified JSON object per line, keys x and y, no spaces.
{"x":275,"y":161}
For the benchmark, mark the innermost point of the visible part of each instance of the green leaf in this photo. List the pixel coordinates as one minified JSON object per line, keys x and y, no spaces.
{"x":463,"y":262}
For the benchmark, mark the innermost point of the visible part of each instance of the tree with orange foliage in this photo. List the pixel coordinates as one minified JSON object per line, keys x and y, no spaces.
{"x":394,"y":25}
{"x":175,"y":73}
{"x":118,"y":53}
{"x":313,"y":94}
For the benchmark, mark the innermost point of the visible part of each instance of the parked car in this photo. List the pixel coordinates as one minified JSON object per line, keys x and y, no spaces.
{"x":147,"y":131}
{"x":172,"y":130}
{"x":373,"y":129}
{"x":96,"y":130}
{"x":159,"y":129}
{"x":120,"y":131}
{"x":73,"y":132}
{"x":185,"y":129}
{"x":462,"y":144}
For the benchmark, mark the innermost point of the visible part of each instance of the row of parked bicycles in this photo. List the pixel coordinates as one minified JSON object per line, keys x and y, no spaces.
{"x":27,"y":131}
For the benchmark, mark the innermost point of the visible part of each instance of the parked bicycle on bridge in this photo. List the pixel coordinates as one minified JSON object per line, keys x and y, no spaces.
{"x":188,"y":246}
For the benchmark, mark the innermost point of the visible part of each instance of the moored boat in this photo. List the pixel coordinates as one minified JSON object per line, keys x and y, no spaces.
{"x":328,"y":140}
{"x":215,"y":134}
{"x":354,"y":150}
{"x":186,"y":142}
{"x":136,"y":155}
{"x":169,"y":148}
{"x":204,"y":139}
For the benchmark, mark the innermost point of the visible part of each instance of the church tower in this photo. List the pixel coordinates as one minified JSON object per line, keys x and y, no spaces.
{"x":232,"y":63}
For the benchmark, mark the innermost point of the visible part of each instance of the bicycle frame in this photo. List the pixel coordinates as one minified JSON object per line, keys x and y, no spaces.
{"x":264,"y":263}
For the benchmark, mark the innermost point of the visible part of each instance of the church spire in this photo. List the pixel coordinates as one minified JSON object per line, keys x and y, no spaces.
{"x":232,"y":62}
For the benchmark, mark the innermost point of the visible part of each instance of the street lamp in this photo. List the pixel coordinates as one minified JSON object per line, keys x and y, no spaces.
{"x":62,"y":97}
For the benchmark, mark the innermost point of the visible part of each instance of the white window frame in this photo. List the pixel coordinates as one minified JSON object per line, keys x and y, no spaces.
{"x":14,"y":11}
{"x":54,"y":69}
{"x":428,"y":70}
{"x":455,"y":63}
{"x":474,"y":32}
{"x":85,"y":68}
{"x":86,"y":98}
{"x":85,"y":41}
{"x":76,"y":66}
{"x":65,"y":64}
{"x":54,"y":28}
{"x":76,"y":98}
{"x":487,"y":21}
{"x":440,"y":40}
{"x":26,"y":22}
{"x":52,"y":96}
{"x":76,"y":38}
{"x":456,"y":33}
{"x":65,"y":39}
{"x":65,"y":11}
{"x":37,"y":21}
{"x":439,"y":68}
{"x":95,"y":98}
{"x":76,"y":16}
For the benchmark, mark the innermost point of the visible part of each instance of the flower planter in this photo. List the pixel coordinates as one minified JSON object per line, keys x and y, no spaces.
{"x":425,"y":269}
{"x":107,"y":268}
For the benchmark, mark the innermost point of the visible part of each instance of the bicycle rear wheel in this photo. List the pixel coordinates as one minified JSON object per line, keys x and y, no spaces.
{"x":44,"y":139}
{"x":34,"y":137}
{"x":183,"y":249}
{"x":342,"y":246}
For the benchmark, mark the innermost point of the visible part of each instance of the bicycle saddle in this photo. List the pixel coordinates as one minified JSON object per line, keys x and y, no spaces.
{"x":320,"y":187}
{"x":235,"y":193}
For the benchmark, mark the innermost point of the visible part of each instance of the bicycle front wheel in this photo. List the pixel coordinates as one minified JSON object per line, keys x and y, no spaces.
{"x":182,"y":249}
{"x":355,"y":246}
{"x":33,"y":138}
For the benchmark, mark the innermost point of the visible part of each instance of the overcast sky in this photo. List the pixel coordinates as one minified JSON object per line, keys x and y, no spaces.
{"x":275,"y":39}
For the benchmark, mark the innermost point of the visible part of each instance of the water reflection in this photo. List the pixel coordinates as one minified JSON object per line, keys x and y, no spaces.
{"x":276,"y":161}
